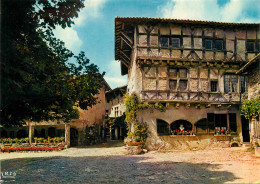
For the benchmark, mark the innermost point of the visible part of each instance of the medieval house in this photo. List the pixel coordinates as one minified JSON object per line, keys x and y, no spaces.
{"x":115,"y":108}
{"x":191,"y":68}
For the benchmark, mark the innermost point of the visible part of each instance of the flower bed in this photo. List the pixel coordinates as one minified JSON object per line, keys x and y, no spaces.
{"x":19,"y":149}
{"x":182,"y":132}
{"x":36,"y":140}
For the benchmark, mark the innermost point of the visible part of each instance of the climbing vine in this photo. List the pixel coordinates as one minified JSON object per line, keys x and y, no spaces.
{"x":251,"y":108}
{"x":131,"y":103}
{"x":158,"y":106}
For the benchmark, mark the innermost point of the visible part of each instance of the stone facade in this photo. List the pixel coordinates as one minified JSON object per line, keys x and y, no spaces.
{"x":191,"y":68}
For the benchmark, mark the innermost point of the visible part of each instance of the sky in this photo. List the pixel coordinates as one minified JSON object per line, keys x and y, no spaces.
{"x":93,"y":31}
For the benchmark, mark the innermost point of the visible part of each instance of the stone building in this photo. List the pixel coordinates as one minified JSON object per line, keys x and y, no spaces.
{"x":115,"y":108}
{"x":252,"y":70}
{"x":88,"y":129}
{"x":190,"y":68}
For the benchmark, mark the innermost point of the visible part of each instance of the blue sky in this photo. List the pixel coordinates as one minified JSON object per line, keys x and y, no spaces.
{"x":93,"y":31}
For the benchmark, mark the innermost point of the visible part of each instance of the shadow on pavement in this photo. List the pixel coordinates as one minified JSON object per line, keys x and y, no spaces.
{"x":111,"y":169}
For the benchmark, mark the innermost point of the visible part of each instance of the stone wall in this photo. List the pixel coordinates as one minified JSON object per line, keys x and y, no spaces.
{"x":254,"y":80}
{"x":173,"y":113}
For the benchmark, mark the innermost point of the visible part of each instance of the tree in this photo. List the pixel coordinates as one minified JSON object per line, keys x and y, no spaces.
{"x":37,"y":80}
{"x":251,"y":108}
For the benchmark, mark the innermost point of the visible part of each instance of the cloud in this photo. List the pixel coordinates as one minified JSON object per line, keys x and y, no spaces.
{"x":113,"y":75}
{"x":232,"y":11}
{"x":70,"y":37}
{"x":92,"y":10}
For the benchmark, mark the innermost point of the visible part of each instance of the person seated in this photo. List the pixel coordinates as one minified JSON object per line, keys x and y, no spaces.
{"x":182,"y":128}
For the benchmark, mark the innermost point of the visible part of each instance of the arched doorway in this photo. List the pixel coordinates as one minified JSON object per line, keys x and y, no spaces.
{"x":162,"y":127}
{"x":177,"y":124}
{"x":74,"y":135}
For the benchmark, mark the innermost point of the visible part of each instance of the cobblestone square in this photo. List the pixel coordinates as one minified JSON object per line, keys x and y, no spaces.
{"x":111,"y":165}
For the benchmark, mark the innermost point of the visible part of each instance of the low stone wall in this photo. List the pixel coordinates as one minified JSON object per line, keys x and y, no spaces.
{"x":190,"y":142}
{"x":16,"y":145}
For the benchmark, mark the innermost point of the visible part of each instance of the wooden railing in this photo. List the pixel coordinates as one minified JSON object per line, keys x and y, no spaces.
{"x":168,"y":95}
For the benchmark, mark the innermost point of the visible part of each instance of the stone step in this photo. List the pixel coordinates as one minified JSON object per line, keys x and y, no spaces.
{"x":246,"y":144}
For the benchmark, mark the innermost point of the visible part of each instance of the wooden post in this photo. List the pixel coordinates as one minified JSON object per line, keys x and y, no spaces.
{"x":67,"y":134}
{"x":110,"y":132}
{"x":31,"y":133}
{"x":228,"y":127}
{"x":116,"y":133}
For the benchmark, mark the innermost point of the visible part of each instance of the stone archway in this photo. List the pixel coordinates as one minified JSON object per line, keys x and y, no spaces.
{"x":162,"y":127}
{"x":176,"y":125}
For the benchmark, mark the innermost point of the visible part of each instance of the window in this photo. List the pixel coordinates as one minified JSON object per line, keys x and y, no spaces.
{"x":232,"y":122}
{"x":250,"y":45}
{"x":162,"y":127}
{"x":176,"y":42}
{"x":243,"y":81}
{"x":183,"y":73}
{"x":178,"y":79}
{"x":230,"y":82}
{"x":213,"y":86}
{"x":220,"y":120}
{"x":219,"y":45}
{"x":173,"y":73}
{"x":172,"y":84}
{"x":164,"y":41}
{"x":183,"y":85}
{"x":208,"y":44}
{"x":116,"y":111}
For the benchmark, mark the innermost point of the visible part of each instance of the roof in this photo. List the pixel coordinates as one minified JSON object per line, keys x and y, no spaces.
{"x":107,"y":87}
{"x":171,"y":20}
{"x":130,"y":22}
{"x":115,"y":92}
{"x":249,"y":63}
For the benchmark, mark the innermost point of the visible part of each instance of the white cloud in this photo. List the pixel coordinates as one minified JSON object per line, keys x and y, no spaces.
{"x":233,"y":11}
{"x":92,"y":10}
{"x":113,"y":75}
{"x":70,"y":37}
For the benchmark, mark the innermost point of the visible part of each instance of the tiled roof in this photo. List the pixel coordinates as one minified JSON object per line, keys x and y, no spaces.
{"x":149,"y":19}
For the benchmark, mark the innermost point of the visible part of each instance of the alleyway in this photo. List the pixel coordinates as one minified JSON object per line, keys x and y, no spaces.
{"x":111,"y":165}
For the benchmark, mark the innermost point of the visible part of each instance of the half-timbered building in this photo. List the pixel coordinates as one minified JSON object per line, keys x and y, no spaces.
{"x":190,"y":67}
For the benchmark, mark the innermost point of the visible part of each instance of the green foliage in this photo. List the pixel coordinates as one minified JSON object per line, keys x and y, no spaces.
{"x":118,"y":121}
{"x":158,"y":106}
{"x":131,"y":103}
{"x":251,"y":108}
{"x":141,"y":133}
{"x":39,"y":79}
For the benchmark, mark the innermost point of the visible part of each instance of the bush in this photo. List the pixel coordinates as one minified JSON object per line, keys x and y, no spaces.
{"x":141,"y":133}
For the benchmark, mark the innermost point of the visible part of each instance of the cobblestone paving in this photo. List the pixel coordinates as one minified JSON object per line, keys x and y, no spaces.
{"x":208,"y":166}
